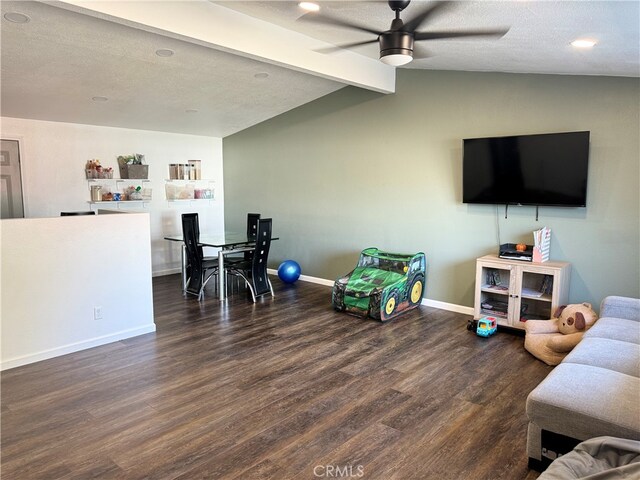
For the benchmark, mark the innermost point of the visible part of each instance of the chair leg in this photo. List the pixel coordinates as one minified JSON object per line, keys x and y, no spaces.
{"x":204,"y":284}
{"x":228,"y":284}
{"x":248,"y":284}
{"x":207,"y":281}
{"x":253,"y":295}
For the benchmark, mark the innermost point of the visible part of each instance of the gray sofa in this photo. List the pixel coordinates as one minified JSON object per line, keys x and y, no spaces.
{"x":595,"y":391}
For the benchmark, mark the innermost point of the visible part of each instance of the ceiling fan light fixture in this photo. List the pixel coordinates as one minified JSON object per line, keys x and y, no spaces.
{"x":396,"y":47}
{"x":396,"y":59}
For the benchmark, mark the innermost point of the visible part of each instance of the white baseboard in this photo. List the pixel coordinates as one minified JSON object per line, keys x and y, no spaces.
{"x":319,"y":281}
{"x":168,"y":271}
{"x":76,"y":347}
{"x":306,"y":278}
{"x":451,"y":307}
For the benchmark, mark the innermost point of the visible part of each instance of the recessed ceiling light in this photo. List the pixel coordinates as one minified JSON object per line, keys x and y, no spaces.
{"x":99,"y":99}
{"x":164,"y":52}
{"x":191,"y":110}
{"x":16,"y":17}
{"x":261,"y":75}
{"x":583,"y":43}
{"x":309,"y":6}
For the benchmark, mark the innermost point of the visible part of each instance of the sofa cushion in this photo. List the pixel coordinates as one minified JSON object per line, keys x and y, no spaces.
{"x":615,"y":329}
{"x":583,"y":401}
{"x":623,"y":357}
{"x":621,"y":307}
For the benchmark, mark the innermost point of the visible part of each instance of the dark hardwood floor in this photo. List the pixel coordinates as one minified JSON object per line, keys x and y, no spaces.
{"x":283,"y":389}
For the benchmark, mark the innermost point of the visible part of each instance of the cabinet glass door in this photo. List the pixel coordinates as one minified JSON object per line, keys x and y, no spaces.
{"x":496,"y":282}
{"x":536,"y":294}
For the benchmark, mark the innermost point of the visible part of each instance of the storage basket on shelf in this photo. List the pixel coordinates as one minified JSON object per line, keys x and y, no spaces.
{"x":131,"y":167}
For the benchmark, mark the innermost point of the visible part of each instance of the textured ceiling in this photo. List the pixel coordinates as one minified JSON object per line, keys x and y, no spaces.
{"x":54,"y":65}
{"x":538,"y":40}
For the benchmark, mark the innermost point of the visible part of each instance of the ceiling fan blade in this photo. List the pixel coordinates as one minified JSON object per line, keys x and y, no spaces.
{"x":413,"y":23}
{"x":343,"y":46}
{"x":337,"y":22}
{"x":459,"y":34}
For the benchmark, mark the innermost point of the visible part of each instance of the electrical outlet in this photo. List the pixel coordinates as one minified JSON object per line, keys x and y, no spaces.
{"x":97,"y":313}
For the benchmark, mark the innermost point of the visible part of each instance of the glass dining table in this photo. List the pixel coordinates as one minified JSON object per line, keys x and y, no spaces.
{"x":228,"y":243}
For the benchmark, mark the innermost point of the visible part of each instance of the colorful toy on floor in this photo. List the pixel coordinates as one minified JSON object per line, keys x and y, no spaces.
{"x":551,"y":340}
{"x":487,"y":326}
{"x":382,"y":285}
{"x":289,"y":271}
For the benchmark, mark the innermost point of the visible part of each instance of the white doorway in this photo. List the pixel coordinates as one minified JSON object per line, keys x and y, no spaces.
{"x":11,"y":180}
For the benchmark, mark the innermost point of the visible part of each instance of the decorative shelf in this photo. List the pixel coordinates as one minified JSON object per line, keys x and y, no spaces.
{"x":120,"y":185}
{"x":190,"y":201}
{"x":189,"y":190}
{"x":119,"y":202}
{"x":179,"y":180}
{"x":116,"y":180}
{"x":184,"y":200}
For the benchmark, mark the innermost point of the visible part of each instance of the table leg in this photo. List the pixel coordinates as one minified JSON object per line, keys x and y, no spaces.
{"x":184,"y":268}
{"x":221,"y":275}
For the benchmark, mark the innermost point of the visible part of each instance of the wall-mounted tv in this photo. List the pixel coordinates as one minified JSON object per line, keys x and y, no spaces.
{"x":545,"y":169}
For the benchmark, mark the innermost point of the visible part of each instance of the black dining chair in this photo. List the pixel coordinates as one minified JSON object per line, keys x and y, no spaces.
{"x":252,"y":224}
{"x":197,"y":226}
{"x":200,"y":270}
{"x":74,"y":214}
{"x":254,"y":271}
{"x":252,"y":230}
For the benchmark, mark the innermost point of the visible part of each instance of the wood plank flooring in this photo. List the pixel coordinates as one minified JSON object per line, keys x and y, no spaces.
{"x":283,"y":389}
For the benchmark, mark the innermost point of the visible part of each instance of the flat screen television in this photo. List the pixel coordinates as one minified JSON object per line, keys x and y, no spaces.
{"x":546,"y":169}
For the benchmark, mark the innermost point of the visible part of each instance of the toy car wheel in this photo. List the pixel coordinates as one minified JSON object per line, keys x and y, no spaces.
{"x":374,"y":305}
{"x":390,"y":304}
{"x":338,"y":300}
{"x":415,"y":292}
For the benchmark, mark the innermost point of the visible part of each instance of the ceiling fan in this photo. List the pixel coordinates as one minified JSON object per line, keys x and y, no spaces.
{"x":397,"y":43}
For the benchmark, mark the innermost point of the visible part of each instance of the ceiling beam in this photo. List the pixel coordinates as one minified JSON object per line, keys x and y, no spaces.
{"x":210,"y":25}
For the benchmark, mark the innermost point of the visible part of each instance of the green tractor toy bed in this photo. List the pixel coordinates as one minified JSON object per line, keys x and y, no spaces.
{"x":382,"y":286}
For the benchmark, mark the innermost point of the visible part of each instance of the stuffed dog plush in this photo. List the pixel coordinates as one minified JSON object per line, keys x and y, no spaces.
{"x":551,"y":340}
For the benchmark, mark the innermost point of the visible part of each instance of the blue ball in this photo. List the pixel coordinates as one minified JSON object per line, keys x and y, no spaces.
{"x":289,"y":271}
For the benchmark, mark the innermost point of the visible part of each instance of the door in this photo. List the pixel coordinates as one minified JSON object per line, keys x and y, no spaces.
{"x":10,"y":180}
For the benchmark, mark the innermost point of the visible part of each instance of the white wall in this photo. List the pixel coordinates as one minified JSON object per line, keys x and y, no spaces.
{"x":53,"y":156}
{"x":56,"y":270}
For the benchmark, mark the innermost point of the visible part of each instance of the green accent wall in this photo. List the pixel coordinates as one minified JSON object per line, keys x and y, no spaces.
{"x":357,"y":169}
